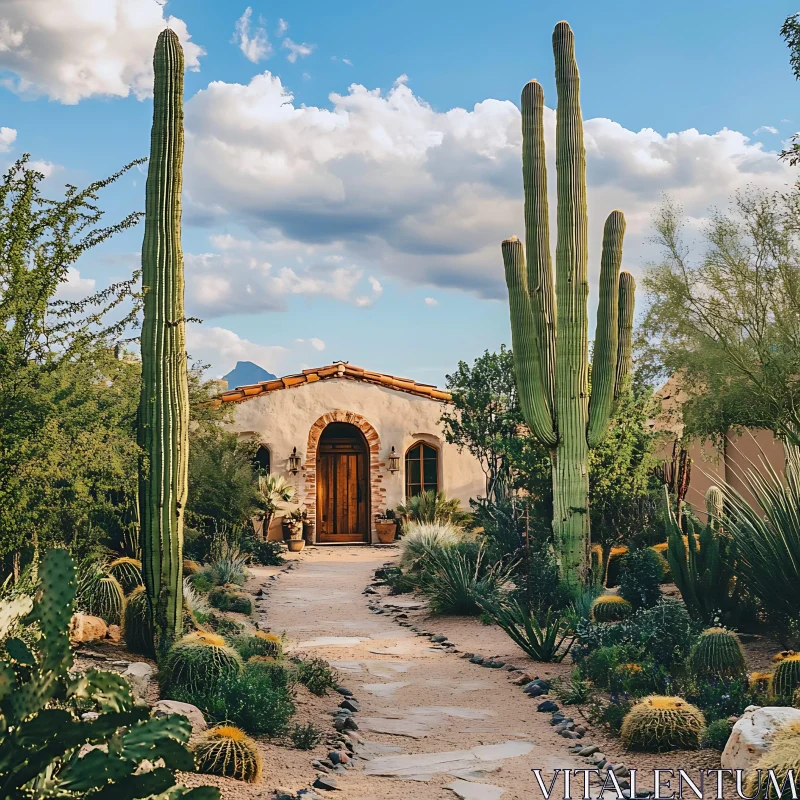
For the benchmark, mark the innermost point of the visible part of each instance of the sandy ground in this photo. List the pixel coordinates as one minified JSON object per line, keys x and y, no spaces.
{"x":415,"y":697}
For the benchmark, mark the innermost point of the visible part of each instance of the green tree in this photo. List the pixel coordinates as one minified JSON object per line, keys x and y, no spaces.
{"x":60,"y":440}
{"x":728,"y":320}
{"x":790,"y":31}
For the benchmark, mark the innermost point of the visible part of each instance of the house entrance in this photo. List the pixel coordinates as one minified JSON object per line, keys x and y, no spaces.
{"x":342,"y":485}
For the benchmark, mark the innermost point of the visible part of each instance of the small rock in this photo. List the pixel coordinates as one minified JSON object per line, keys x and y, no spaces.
{"x":580,"y":729}
{"x":468,"y":655}
{"x":438,"y":638}
{"x":349,"y":704}
{"x":571,"y":735}
{"x":114,"y":633}
{"x":369,"y":590}
{"x":343,"y":691}
{"x":547,"y":705}
{"x":89,"y":716}
{"x":476,"y":660}
{"x":589,"y":750}
{"x":326,"y":783}
{"x":327,"y":762}
{"x":138,"y":676}
{"x":164,"y":708}
{"x":510,"y":668}
{"x":535,"y":691}
{"x":522,"y":680}
{"x":338,"y":757}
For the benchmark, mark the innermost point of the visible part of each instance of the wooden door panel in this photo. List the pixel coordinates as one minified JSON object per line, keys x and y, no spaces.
{"x":342,"y":494}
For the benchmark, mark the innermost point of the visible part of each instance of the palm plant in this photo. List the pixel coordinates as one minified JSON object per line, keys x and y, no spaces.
{"x":541,"y":641}
{"x":432,"y":506}
{"x":272,"y":490}
{"x":767,"y":535}
{"x":457,"y":579}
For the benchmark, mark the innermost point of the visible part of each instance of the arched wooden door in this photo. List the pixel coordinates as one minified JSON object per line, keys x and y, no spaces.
{"x":342,"y":485}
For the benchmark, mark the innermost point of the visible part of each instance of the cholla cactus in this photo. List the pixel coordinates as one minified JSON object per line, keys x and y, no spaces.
{"x":549,"y":323}
{"x":718,"y":654}
{"x":611,"y":608}
{"x":658,"y":723}
{"x":198,"y":661}
{"x":227,"y":751}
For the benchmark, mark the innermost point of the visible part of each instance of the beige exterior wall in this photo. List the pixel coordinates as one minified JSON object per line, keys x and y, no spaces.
{"x":289,"y":418}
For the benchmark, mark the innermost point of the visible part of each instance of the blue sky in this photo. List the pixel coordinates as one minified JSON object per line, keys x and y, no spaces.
{"x":367,"y":227}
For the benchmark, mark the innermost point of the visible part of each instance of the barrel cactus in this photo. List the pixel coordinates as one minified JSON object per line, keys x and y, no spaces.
{"x":227,"y":599}
{"x":611,"y":608}
{"x":658,"y":723}
{"x":105,"y":599}
{"x":784,"y":654}
{"x":782,"y":757}
{"x":786,"y":678}
{"x":163,"y":418}
{"x":136,"y":623}
{"x":198,"y":661}
{"x":796,"y":698}
{"x":718,"y":654}
{"x":549,"y":323}
{"x":229,"y":752}
{"x":715,"y":503}
{"x":128,"y":571}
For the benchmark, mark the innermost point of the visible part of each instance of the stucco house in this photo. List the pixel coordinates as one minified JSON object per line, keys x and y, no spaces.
{"x":352,"y":443}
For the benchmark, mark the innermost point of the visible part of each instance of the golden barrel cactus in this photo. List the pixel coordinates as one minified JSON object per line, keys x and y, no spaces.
{"x":659,"y":723}
{"x":229,"y":752}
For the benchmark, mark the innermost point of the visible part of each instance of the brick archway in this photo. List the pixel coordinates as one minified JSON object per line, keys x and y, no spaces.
{"x":377,"y":491}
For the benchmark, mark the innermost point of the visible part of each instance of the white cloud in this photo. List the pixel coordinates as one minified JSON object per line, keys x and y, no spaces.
{"x":47,"y":168}
{"x":222,"y":348}
{"x":431,"y":301}
{"x":765,"y":129}
{"x":297,"y":50}
{"x":317,"y":344}
{"x":392,"y":185}
{"x":283,"y":26}
{"x":256,"y":47}
{"x":250,"y":276}
{"x":7,"y":138}
{"x":347,"y":61}
{"x":74,"y":287}
{"x":72,"y":49}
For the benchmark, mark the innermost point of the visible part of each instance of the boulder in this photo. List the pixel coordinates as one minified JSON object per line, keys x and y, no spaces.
{"x":86,"y":628}
{"x":164,"y":708}
{"x":138,"y":676}
{"x":752,"y":735}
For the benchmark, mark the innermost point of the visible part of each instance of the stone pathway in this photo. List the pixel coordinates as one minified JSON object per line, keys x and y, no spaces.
{"x":424,"y":716}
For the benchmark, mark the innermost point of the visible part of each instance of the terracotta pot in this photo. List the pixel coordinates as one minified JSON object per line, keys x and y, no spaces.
{"x":308,"y":532}
{"x":386,"y":531}
{"x":295,"y":545}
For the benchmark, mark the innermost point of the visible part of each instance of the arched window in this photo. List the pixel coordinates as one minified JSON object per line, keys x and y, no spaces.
{"x":422,"y":469}
{"x":261,"y":460}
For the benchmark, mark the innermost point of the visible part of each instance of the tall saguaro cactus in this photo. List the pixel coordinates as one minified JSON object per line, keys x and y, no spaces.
{"x":164,"y":403}
{"x":549,"y":323}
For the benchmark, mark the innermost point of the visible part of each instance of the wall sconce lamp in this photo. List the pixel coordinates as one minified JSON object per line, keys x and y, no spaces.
{"x":394,"y":461}
{"x":294,"y":462}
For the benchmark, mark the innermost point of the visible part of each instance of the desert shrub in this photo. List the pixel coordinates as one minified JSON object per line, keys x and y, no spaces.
{"x":305,"y":737}
{"x":572,"y":691}
{"x":198,"y":661}
{"x":457,"y":579}
{"x":539,"y":584}
{"x":601,"y":666}
{"x":583,"y":598}
{"x":268,"y":554}
{"x":194,"y":603}
{"x":190,"y":567}
{"x":224,"y":626}
{"x":400,"y":582}
{"x":421,"y":539}
{"x":225,"y":598}
{"x":279,"y":674}
{"x":228,"y":566}
{"x":640,"y":577}
{"x":227,"y":751}
{"x":608,"y":714}
{"x":316,"y":675}
{"x":716,"y":735}
{"x":659,"y":723}
{"x":720,"y":698}
{"x":136,"y":623}
{"x":202,"y":582}
{"x":258,"y":644}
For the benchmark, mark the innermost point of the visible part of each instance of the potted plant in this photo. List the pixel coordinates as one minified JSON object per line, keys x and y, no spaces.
{"x":293,"y":530}
{"x":386,"y":526}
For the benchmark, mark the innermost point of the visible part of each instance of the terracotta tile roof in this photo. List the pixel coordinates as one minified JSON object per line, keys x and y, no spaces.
{"x":339,"y":370}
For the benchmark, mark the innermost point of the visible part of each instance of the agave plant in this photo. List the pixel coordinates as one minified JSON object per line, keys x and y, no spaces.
{"x":542,"y":641}
{"x":457,"y":579}
{"x":227,"y":567}
{"x":767,"y":534}
{"x":432,"y":507}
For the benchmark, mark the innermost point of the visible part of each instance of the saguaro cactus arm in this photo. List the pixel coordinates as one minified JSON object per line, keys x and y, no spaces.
{"x":527,"y":346}
{"x":627,"y":296}
{"x":604,"y":364}
{"x":164,"y":402}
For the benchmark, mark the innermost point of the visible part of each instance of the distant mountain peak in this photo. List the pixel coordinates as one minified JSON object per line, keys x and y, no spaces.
{"x":246,"y":373}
